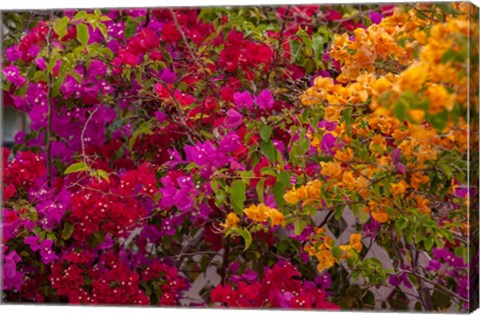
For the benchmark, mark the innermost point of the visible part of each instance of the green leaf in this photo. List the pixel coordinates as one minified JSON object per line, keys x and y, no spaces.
{"x":446,"y":168}
{"x":76,"y":167}
{"x":400,"y":110}
{"x":428,"y":243}
{"x":266,"y":132}
{"x":82,"y":34}
{"x":238,"y":196}
{"x":103,"y":29}
{"x":220,"y":197}
{"x":96,"y":239}
{"x":101,"y":174}
{"x":337,"y":253}
{"x":284,"y":178}
{"x":438,"y":121}
{"x":338,"y":212}
{"x":299,"y":226}
{"x":295,"y":48}
{"x":80,"y":15}
{"x":260,"y":190}
{"x":440,"y":300}
{"x":347,"y":117}
{"x":278,"y":192}
{"x":247,"y":237}
{"x":317,"y":45}
{"x":460,"y":252}
{"x":60,"y":27}
{"x":130,"y":29}
{"x":268,"y":149}
{"x":67,"y":231}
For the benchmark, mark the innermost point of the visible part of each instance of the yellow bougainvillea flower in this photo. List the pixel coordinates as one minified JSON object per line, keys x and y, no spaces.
{"x":261,"y":213}
{"x":325,"y":260}
{"x":231,"y":221}
{"x":332,"y":113}
{"x":355,"y":241}
{"x":381,"y":86}
{"x":422,"y":204}
{"x":380,"y":216}
{"x":418,"y":179}
{"x":398,"y":188}
{"x":291,"y":197}
{"x":256,"y":213}
{"x":331,"y":169}
{"x":378,"y":144}
{"x":276,"y":217}
{"x":413,"y":78}
{"x":344,"y":155}
{"x":355,"y":244}
{"x":440,"y":99}
{"x":417,"y":115}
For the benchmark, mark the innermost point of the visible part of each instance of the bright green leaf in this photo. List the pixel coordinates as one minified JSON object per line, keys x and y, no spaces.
{"x":238,"y":196}
{"x":76,"y":167}
{"x":82,"y":34}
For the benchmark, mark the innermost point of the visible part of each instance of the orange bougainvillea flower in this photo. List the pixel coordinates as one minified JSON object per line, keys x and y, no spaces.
{"x":380,"y":216}
{"x":256,"y":213}
{"x":422,"y":204}
{"x":291,"y":197}
{"x":398,"y":188}
{"x":331,"y":169}
{"x":231,"y":221}
{"x":418,"y":179}
{"x":276,"y":217}
{"x":261,"y":213}
{"x":413,"y":78}
{"x":355,"y":243}
{"x":325,"y":260}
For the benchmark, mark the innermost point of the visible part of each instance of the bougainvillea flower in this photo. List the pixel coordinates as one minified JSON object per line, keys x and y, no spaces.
{"x":243,"y":99}
{"x":13,"y":75}
{"x":168,"y":76}
{"x":234,"y":119}
{"x":265,"y":100}
{"x":328,"y":143}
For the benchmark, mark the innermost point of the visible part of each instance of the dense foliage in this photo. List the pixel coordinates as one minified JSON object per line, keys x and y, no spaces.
{"x":239,"y":144}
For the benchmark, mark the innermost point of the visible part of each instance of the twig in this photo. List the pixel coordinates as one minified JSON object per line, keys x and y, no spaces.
{"x":82,"y":140}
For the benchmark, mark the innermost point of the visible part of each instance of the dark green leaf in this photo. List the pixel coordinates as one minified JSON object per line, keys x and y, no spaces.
{"x":268,"y":149}
{"x":67,"y":230}
{"x":266,"y":132}
{"x":130,"y":29}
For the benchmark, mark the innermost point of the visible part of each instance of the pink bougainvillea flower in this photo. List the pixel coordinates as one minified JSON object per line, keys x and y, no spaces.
{"x":328,"y":143}
{"x":13,"y":75}
{"x":376,"y":17}
{"x":265,"y":100}
{"x":243,"y":99}
{"x":12,"y":278}
{"x":168,"y":76}
{"x":234,"y":119}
